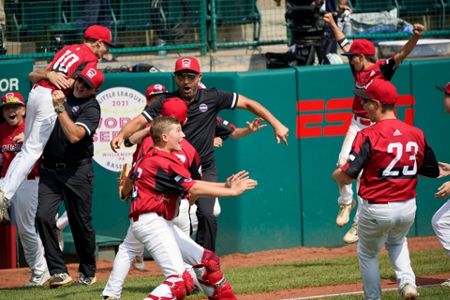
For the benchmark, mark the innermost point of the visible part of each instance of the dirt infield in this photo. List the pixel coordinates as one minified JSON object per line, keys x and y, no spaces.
{"x":17,"y":277}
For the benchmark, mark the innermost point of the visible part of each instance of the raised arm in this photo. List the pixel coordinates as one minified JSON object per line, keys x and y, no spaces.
{"x":418,"y":30}
{"x":252,"y":127}
{"x":338,"y":34}
{"x":131,"y":127}
{"x":281,"y":132}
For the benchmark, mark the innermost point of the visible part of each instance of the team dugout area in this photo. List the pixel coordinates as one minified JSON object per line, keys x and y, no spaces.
{"x":37,"y":28}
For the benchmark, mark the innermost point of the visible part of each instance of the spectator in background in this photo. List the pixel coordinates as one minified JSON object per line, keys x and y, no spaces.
{"x":94,"y":12}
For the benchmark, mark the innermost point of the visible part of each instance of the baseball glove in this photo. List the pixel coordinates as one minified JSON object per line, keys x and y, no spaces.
{"x":125,"y":183}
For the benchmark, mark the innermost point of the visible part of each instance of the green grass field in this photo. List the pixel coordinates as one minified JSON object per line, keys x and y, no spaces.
{"x":262,"y":279}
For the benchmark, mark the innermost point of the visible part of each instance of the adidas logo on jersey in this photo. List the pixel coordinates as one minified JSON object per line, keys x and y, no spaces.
{"x":397,"y":132}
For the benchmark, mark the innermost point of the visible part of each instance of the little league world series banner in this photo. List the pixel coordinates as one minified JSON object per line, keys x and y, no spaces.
{"x":118,"y":106}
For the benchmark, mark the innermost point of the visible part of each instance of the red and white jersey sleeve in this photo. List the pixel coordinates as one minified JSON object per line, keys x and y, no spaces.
{"x":391,"y":154}
{"x":160,"y":180}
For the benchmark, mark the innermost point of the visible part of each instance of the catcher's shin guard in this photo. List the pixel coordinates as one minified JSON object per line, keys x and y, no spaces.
{"x":173,"y":288}
{"x":211,"y":278}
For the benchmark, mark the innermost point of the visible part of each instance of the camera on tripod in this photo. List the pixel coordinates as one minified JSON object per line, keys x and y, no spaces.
{"x":307,"y":28}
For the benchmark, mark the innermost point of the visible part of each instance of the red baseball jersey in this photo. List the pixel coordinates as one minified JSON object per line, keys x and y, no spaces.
{"x":70,"y":60}
{"x":9,"y":148}
{"x":161,"y":179}
{"x":383,"y":68}
{"x":391,"y":153}
{"x":187,"y":155}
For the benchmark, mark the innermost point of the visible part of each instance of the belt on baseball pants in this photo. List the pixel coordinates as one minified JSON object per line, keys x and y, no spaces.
{"x":376,"y":202}
{"x":66,"y":165}
{"x":362,"y":121}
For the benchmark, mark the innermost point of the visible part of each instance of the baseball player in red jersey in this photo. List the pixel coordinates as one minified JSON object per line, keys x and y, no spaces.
{"x":390,"y":155}
{"x":25,"y":201}
{"x":160,"y":180}
{"x":41,"y":115}
{"x":365,"y":67}
{"x":189,"y":157}
{"x":441,"y":219}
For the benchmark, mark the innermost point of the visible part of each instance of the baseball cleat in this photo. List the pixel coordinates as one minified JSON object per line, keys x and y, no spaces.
{"x":409,"y":292}
{"x":138,"y":263}
{"x":344,"y":213}
{"x":59,"y":279}
{"x":446,"y":283}
{"x":85,"y":280}
{"x":38,"y":279}
{"x":352,"y":234}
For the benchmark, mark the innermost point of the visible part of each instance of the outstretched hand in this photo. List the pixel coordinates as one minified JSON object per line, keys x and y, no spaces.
{"x":256,"y":124}
{"x":444,"y":169}
{"x":115,"y":143}
{"x":240,"y":182}
{"x":443,"y":191}
{"x":281,"y":133}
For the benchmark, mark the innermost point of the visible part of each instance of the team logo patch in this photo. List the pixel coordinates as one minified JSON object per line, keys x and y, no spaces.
{"x":91,"y":73}
{"x":186,"y":63}
{"x":75,"y":109}
{"x":203,"y":107}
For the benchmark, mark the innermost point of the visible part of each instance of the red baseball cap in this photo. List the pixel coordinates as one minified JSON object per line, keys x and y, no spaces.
{"x":361,"y":46}
{"x":379,"y":89}
{"x":156,"y":89}
{"x":445,"y":89}
{"x":93,"y":77}
{"x":13,"y":98}
{"x":187,"y":64}
{"x":99,"y":32}
{"x":175,"y":107}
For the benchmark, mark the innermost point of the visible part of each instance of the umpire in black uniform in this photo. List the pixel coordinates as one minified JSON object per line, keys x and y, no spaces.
{"x":66,"y":173}
{"x":204,"y":105}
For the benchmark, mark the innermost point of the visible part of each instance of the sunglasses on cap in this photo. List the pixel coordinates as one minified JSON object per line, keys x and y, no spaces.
{"x":183,"y":76}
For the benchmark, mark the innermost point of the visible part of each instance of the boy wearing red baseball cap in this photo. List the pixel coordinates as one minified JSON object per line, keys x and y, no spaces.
{"x":388,"y":156}
{"x":59,"y":75}
{"x":25,"y":200}
{"x":365,"y":67}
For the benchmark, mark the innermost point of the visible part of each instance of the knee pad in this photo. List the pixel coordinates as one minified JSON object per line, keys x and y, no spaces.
{"x":208,"y":272}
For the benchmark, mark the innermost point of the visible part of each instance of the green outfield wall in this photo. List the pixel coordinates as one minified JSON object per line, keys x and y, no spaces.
{"x":295,"y":201}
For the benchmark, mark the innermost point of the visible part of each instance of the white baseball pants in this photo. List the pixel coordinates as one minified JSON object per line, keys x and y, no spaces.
{"x":346,"y":191}
{"x":169,"y":246}
{"x":385,"y":224}
{"x":441,"y":225}
{"x":23,"y":212}
{"x":40,"y":121}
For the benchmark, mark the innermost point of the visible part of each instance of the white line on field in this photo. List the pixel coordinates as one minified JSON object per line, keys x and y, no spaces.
{"x":351,"y":293}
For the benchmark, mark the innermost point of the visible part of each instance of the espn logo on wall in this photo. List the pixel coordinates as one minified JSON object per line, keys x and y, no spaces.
{"x":320,"y":118}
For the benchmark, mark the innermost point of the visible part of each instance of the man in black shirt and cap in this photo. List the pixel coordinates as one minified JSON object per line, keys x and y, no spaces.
{"x":66,"y":173}
{"x":204,"y":105}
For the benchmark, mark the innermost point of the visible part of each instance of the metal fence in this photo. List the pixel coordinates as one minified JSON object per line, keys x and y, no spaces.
{"x":37,"y":28}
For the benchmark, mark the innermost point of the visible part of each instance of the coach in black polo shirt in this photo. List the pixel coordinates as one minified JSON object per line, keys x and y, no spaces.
{"x":204,"y":105}
{"x":66,"y":173}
